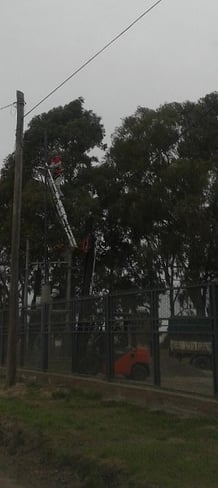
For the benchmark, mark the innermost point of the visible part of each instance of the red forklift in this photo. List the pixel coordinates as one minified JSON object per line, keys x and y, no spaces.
{"x":132,"y":362}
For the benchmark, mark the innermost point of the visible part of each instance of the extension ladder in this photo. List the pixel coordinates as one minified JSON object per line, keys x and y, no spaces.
{"x":61,"y":210}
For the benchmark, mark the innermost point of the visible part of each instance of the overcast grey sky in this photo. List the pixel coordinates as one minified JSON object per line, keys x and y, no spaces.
{"x":172,"y":54}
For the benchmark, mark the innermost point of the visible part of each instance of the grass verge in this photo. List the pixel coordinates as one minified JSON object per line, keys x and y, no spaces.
{"x":76,"y":439}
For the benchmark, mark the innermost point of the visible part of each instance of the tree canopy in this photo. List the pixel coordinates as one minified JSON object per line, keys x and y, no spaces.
{"x":152,"y":202}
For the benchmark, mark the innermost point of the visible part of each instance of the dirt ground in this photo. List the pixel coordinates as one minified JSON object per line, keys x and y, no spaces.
{"x":22,"y":463}
{"x":15,"y":473}
{"x":6,"y":483}
{"x":48,"y":441}
{"x":182,"y":376}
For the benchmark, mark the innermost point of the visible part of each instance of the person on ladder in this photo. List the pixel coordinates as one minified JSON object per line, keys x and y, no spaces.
{"x":56,"y":168}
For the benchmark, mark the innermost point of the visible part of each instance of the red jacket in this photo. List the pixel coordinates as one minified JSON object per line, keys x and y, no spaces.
{"x":56,"y":166}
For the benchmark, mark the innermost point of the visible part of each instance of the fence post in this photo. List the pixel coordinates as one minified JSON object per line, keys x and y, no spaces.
{"x":74,"y":352}
{"x":44,"y":335}
{"x":108,"y":337}
{"x":214,"y":317}
{"x":2,"y":339}
{"x":155,"y":338}
{"x":22,"y":334}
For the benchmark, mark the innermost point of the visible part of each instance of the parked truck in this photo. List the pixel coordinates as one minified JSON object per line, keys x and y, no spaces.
{"x":191,"y":338}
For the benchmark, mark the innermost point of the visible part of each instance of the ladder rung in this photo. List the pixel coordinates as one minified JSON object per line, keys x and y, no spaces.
{"x":61,"y":211}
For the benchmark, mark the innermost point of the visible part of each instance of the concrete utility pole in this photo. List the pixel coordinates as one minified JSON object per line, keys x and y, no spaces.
{"x":15,"y":247}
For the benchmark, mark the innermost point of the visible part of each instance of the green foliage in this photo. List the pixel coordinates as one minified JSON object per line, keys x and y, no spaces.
{"x":73,"y":132}
{"x":164,"y":168}
{"x":153,"y":202}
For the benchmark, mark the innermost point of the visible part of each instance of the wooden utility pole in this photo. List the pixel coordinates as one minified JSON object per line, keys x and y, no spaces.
{"x":25,"y":328}
{"x":15,"y":247}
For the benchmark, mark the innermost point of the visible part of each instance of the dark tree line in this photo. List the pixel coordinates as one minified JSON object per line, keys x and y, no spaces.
{"x":152,"y":202}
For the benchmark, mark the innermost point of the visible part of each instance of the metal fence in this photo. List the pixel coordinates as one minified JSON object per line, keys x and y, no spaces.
{"x":166,"y":337}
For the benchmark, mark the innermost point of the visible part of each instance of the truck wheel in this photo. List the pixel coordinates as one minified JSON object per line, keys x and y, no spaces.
{"x":201,"y":362}
{"x":139,"y":372}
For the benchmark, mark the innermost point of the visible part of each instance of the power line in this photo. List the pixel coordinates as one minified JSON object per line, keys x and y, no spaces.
{"x":94,"y":56}
{"x":7,"y":106}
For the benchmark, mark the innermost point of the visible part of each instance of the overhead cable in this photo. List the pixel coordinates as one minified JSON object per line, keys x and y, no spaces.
{"x":94,"y":56}
{"x":7,"y":106}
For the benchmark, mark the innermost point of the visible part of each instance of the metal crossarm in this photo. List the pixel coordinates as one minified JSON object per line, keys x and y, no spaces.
{"x":61,"y":211}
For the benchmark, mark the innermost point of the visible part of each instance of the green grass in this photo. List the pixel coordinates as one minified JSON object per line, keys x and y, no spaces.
{"x":155,"y":449}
